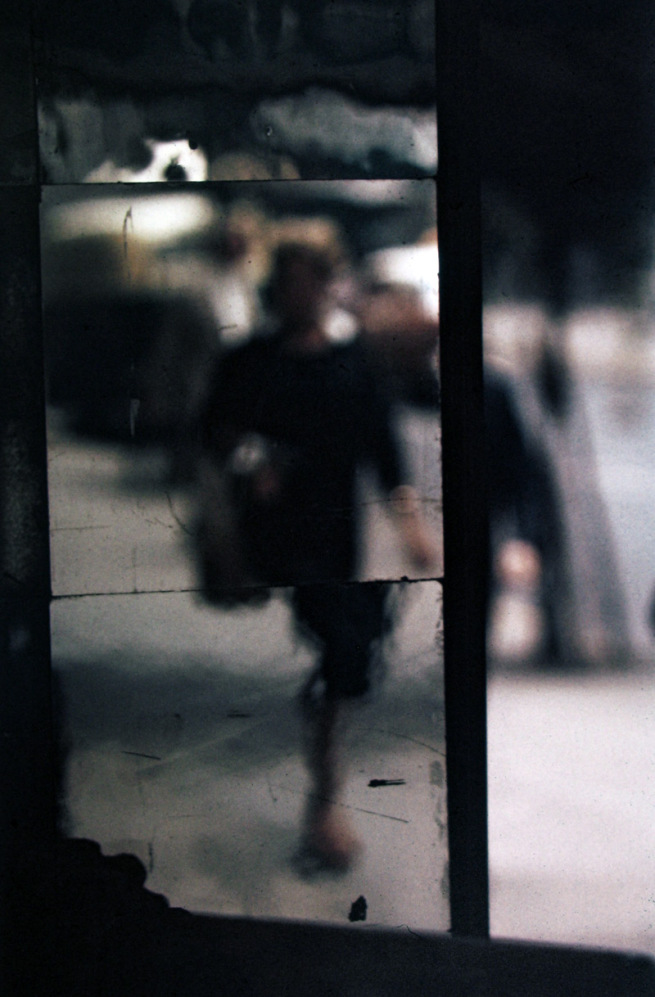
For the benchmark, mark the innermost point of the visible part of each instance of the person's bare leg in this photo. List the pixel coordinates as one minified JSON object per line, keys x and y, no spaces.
{"x":328,"y":835}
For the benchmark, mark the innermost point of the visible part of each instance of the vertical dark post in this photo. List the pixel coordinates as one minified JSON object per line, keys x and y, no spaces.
{"x":27,"y":817}
{"x":465,"y":515}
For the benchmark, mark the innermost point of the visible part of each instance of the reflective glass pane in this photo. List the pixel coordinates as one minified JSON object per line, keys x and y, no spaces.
{"x":245,"y":501}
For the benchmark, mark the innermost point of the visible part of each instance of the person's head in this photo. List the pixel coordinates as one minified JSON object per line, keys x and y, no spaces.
{"x":300,"y":282}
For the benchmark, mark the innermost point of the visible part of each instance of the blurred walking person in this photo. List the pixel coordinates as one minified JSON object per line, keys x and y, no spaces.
{"x":290,"y":419}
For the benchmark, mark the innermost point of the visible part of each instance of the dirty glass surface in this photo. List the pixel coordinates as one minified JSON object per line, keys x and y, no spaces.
{"x":186,"y":707}
{"x":182,"y":715}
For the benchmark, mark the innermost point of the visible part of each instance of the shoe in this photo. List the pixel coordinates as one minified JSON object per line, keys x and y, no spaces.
{"x":329,"y":842}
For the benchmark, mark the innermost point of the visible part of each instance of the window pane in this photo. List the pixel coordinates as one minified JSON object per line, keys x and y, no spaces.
{"x":568,"y":350}
{"x":219,"y":90}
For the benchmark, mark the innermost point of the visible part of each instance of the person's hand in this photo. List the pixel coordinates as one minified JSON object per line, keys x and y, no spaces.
{"x":518,"y":565}
{"x":416,"y":536}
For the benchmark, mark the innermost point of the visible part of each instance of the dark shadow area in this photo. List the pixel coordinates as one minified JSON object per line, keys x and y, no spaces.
{"x":567,"y":146}
{"x":104,"y":934}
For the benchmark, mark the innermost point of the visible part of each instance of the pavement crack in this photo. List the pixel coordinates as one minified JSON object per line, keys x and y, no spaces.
{"x":350,"y":806}
{"x":182,"y":525}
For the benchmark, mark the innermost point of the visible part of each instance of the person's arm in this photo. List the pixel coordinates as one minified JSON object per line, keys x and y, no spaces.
{"x":415,"y":533}
{"x":222,"y":559}
{"x":404,"y":501}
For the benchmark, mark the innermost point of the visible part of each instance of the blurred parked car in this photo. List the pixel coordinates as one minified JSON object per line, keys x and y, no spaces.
{"x":127,"y":344}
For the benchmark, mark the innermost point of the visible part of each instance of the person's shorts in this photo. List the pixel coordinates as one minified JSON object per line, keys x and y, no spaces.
{"x":348,"y":621}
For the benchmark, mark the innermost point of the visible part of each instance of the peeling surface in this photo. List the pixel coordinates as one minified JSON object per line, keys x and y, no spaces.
{"x":358,"y":910}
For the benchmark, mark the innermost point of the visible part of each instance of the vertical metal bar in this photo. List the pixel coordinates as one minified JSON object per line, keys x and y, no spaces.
{"x":465,"y":515}
{"x":27,"y":821}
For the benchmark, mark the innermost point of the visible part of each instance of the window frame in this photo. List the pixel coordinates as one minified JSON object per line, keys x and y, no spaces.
{"x":28,"y":750}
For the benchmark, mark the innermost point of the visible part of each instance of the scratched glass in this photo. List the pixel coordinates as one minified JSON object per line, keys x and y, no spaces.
{"x":186,"y":743}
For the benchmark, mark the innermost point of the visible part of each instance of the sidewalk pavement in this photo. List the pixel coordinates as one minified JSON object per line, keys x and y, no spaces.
{"x":571,"y":803}
{"x":185,"y":749}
